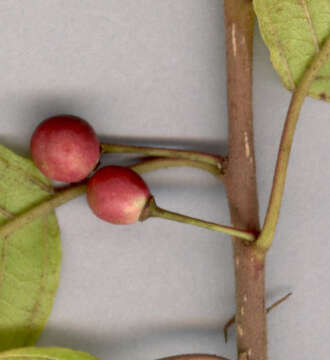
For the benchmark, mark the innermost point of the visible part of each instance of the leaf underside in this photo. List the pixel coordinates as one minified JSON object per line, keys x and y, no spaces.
{"x":294,"y":31}
{"x":29,"y":258}
{"x":50,"y":353}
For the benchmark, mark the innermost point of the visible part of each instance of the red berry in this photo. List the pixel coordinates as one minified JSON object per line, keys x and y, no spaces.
{"x":117,"y":194}
{"x":65,"y":148}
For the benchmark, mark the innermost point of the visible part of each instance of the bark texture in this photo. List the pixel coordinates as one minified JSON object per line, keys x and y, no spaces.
{"x":240,"y":181}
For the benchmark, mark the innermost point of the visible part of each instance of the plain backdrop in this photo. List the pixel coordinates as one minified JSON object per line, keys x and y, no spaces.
{"x":153,"y":72}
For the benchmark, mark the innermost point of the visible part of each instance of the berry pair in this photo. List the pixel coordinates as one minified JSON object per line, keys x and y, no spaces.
{"x":66,"y":148}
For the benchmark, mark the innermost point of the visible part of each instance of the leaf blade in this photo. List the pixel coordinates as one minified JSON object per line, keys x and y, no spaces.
{"x":30,"y":258}
{"x":294,"y":31}
{"x":47,"y":353}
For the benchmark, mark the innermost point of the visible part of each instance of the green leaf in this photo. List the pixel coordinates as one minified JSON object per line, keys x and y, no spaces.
{"x":29,"y":258}
{"x":51,"y":353}
{"x":294,"y":31}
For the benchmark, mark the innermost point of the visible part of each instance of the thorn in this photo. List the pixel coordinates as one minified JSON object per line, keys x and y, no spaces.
{"x":278,"y":302}
{"x":231,"y":321}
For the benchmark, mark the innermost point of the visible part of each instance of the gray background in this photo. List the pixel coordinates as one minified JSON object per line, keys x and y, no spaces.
{"x":153,"y":71}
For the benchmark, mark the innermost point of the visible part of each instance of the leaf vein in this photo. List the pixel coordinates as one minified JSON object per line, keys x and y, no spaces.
{"x":310,"y":24}
{"x":28,"y":177}
{"x":12,"y":305}
{"x":324,"y":78}
{"x":42,"y":288}
{"x":280,"y":48}
{"x":29,"y":259}
{"x":3,"y":261}
{"x":6,"y":213}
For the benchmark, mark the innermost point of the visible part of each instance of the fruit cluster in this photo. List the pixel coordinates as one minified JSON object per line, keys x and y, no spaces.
{"x":66,"y":148}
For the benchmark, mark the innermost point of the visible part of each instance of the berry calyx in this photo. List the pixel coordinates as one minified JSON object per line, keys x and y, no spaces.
{"x":65,"y":148}
{"x":117,"y":194}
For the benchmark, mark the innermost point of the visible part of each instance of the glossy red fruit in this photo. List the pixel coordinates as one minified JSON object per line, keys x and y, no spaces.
{"x":65,"y":148}
{"x":117,"y":194}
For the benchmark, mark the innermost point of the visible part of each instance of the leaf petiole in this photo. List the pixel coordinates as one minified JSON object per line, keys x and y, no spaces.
{"x":265,"y":239}
{"x":60,"y":198}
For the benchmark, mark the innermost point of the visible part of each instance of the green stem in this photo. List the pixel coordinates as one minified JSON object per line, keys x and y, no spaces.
{"x":154,"y":211}
{"x":163,"y":152}
{"x":162,"y":163}
{"x":265,"y":239}
{"x":44,"y":208}
{"x":70,"y":193}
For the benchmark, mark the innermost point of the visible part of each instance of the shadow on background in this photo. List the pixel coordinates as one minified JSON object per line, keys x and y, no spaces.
{"x":12,"y":144}
{"x":216,"y":147}
{"x":40,"y":105}
{"x":158,"y":341}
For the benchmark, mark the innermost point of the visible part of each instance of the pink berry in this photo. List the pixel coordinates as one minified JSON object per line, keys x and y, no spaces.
{"x":65,"y":148}
{"x":117,"y":194}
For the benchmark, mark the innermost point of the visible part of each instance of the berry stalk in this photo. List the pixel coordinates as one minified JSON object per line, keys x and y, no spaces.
{"x":128,"y":200}
{"x":153,"y":210}
{"x":153,"y":164}
{"x":206,"y":158}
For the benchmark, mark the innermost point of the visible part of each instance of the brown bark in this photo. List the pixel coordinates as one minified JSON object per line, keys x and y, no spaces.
{"x":240,"y":181}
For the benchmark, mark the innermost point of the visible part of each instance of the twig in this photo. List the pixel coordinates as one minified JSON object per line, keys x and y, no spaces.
{"x":240,"y":181}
